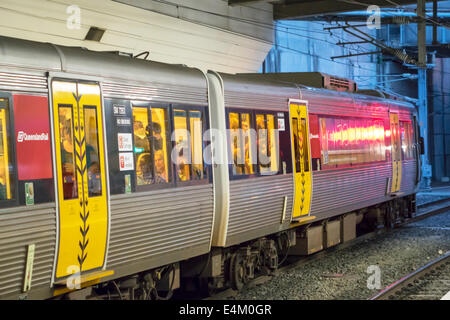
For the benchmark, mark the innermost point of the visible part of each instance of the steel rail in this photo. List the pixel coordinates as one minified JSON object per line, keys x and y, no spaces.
{"x":397,"y":288}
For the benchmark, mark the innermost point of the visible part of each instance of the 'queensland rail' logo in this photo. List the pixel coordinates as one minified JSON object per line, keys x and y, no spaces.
{"x":22,"y":136}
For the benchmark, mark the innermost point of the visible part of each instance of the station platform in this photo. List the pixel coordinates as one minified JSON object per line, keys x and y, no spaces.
{"x":439,"y":190}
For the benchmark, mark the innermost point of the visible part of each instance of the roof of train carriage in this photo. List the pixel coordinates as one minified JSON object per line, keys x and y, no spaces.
{"x":265,"y":88}
{"x":261,"y":93}
{"x":24,"y":54}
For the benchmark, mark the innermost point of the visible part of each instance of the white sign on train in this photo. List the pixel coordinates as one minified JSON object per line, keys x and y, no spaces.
{"x":281,"y":124}
{"x":126,"y":161}
{"x":125,"y":141}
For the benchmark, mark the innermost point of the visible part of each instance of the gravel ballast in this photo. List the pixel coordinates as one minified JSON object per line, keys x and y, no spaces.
{"x":344,"y":274}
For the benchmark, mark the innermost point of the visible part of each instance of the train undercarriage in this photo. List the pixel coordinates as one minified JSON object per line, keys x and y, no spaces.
{"x":233,"y":267}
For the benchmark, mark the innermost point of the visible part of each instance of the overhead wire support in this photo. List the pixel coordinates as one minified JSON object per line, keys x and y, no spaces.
{"x":366,"y":37}
{"x":356,"y":54}
{"x":352,"y":42}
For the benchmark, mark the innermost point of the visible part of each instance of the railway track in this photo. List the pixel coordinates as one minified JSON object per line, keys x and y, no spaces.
{"x":432,"y":281}
{"x":423,"y":211}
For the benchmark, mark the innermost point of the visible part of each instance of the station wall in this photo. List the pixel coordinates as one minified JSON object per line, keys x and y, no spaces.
{"x":203,"y":33}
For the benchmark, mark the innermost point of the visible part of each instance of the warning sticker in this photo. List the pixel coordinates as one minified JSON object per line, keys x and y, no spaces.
{"x":126,"y":162}
{"x":125,"y":141}
{"x":281,"y":124}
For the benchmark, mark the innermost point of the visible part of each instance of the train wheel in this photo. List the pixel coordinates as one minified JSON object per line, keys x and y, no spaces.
{"x":238,"y":274}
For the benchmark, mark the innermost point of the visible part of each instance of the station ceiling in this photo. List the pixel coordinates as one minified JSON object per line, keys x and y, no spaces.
{"x":301,"y":9}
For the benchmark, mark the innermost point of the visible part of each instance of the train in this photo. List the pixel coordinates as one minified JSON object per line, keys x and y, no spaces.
{"x":127,"y":178}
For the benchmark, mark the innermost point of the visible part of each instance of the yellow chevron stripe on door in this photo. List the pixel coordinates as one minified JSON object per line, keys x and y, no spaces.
{"x":83,"y":215}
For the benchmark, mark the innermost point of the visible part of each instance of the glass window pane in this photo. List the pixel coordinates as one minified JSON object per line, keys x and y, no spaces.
{"x":273,"y":143}
{"x":324,"y":141}
{"x":406,"y":139}
{"x":380,"y":137}
{"x":6,"y":185}
{"x":358,"y":152}
{"x":264,"y":160}
{"x":245,"y":126}
{"x":142,"y":151}
{"x":303,"y":134}
{"x":351,"y":141}
{"x":345,"y":139}
{"x":69,"y":176}
{"x":296,"y":131}
{"x":92,"y":151}
{"x":235,"y":143}
{"x":182,"y":145}
{"x":366,"y":144}
{"x":159,"y":133}
{"x":409,"y":133}
{"x":196,"y":125}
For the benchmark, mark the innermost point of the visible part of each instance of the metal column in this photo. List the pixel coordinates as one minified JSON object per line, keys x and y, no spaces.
{"x":422,"y":85}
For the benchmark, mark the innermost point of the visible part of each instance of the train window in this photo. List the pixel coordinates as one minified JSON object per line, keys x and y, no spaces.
{"x":182,"y":145}
{"x":6,"y":181}
{"x":159,"y":144}
{"x":263,"y":156}
{"x":150,"y":145}
{"x":188,"y":144}
{"x":235,"y":138}
{"x":143,"y":160}
{"x":92,"y":152}
{"x":241,"y":143}
{"x":248,"y":157}
{"x":406,"y":131}
{"x":303,"y":134}
{"x":196,"y":125}
{"x":69,"y":176}
{"x":268,"y":144}
{"x":351,"y":141}
{"x":296,"y":144}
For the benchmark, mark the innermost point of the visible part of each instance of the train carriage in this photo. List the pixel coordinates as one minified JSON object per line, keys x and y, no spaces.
{"x":105,"y":177}
{"x":99,"y":202}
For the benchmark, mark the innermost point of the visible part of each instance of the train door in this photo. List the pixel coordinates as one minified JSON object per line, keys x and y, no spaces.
{"x":396,"y":145}
{"x":301,"y":159}
{"x":80,"y":171}
{"x":416,"y":150}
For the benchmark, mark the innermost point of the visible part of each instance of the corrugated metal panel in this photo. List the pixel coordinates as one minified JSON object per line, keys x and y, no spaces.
{"x":353,"y":105}
{"x":244,"y":92}
{"x":257,"y":203}
{"x":409,"y":172}
{"x":258,"y":102}
{"x":404,"y":115}
{"x":145,"y":225}
{"x":20,"y":227}
{"x":338,"y":191}
{"x":22,"y":82}
{"x":342,"y":104}
{"x":157,"y":92}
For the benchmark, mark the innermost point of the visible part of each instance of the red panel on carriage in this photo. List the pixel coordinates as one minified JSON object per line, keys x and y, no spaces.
{"x":32,"y":134}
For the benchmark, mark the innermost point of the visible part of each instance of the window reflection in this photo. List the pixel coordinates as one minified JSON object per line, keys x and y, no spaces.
{"x":196,"y":126}
{"x":150,"y":145}
{"x":70,"y":189}
{"x":182,"y":145}
{"x":241,"y":143}
{"x":92,"y":151}
{"x":351,"y":141}
{"x":158,"y":136}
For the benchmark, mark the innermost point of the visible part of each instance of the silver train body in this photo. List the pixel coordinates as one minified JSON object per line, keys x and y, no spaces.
{"x":159,"y":227}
